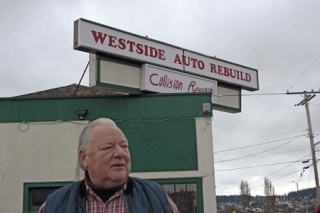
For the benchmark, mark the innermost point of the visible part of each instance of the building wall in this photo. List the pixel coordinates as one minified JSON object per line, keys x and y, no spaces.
{"x":35,"y":152}
{"x":46,"y":152}
{"x":44,"y":149}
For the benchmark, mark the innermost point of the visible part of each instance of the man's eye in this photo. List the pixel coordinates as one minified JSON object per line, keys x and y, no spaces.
{"x":106,"y":147}
{"x":124,"y":146}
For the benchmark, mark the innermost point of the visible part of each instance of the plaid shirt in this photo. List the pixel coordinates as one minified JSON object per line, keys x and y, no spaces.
{"x":116,"y":203}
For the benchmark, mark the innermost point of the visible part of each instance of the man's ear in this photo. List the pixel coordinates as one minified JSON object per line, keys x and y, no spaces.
{"x":83,"y":158}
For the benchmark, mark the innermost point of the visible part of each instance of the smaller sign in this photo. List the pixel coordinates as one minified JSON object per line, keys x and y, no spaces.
{"x":158,"y":79}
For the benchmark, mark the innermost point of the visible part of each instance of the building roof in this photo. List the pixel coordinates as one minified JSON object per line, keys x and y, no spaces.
{"x":73,"y":90}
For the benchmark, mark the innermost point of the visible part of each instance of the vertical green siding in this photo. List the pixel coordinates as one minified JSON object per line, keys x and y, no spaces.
{"x":168,"y":145}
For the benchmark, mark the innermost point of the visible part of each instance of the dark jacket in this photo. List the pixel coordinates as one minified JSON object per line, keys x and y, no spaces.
{"x":142,"y":196}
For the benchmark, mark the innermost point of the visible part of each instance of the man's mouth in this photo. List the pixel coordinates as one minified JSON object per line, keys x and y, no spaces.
{"x":118,"y":165}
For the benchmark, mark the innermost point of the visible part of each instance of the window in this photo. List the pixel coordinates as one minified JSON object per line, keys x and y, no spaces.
{"x":186,"y":193}
{"x":34,"y":194}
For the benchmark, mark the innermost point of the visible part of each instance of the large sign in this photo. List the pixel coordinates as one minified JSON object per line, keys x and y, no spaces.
{"x":97,"y":38}
{"x":158,"y":79}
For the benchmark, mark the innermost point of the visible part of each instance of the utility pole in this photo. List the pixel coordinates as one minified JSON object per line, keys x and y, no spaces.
{"x":305,"y":102}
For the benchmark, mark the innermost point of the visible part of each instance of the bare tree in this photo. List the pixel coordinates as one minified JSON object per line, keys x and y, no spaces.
{"x":245,"y":193}
{"x":270,"y":195}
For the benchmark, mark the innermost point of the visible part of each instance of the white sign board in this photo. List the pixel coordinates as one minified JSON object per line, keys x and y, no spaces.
{"x":97,"y":38}
{"x":158,"y":79}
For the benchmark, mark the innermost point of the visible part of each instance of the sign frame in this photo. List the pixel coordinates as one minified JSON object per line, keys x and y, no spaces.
{"x":97,"y":38}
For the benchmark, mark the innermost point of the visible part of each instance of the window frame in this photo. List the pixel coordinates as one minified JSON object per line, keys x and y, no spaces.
{"x":197,"y":181}
{"x":27,"y":186}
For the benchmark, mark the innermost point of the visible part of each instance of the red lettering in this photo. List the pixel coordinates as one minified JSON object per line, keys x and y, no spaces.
{"x":220,"y":70}
{"x":177,"y":59}
{"x":131,"y":45}
{"x":241,"y":76}
{"x":112,"y":40}
{"x":150,"y":79}
{"x":99,"y":36}
{"x":191,"y":85}
{"x":139,"y":48}
{"x":122,"y":44}
{"x":194,"y":62}
{"x":177,"y":85}
{"x":226,"y":72}
{"x":161,"y":83}
{"x":185,"y":62}
{"x":153,"y":52}
{"x":248,"y":77}
{"x":213,"y":68}
{"x":233,"y":74}
{"x":161,"y":55}
{"x":237,"y":73}
{"x":146,"y":50}
{"x":201,"y":64}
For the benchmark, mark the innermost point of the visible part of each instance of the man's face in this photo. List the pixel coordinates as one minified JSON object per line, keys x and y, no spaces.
{"x":107,"y":158}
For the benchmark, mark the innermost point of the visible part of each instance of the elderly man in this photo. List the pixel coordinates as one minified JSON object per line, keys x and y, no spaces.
{"x":104,"y":155}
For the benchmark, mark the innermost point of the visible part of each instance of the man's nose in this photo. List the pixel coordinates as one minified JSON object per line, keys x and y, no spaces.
{"x":118,"y":152}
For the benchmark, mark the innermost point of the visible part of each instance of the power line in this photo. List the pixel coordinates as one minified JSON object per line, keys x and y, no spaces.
{"x":279,"y":171}
{"x":224,"y":141}
{"x":254,"y":153}
{"x":278,"y":178}
{"x":264,"y":94}
{"x":260,"y":118}
{"x":306,"y":70}
{"x":283,"y":116}
{"x":243,"y":147}
{"x":316,"y":86}
{"x":248,"y":167}
{"x":284,"y":175}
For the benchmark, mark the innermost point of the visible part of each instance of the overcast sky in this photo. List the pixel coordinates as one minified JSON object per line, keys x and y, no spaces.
{"x":279,"y":38}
